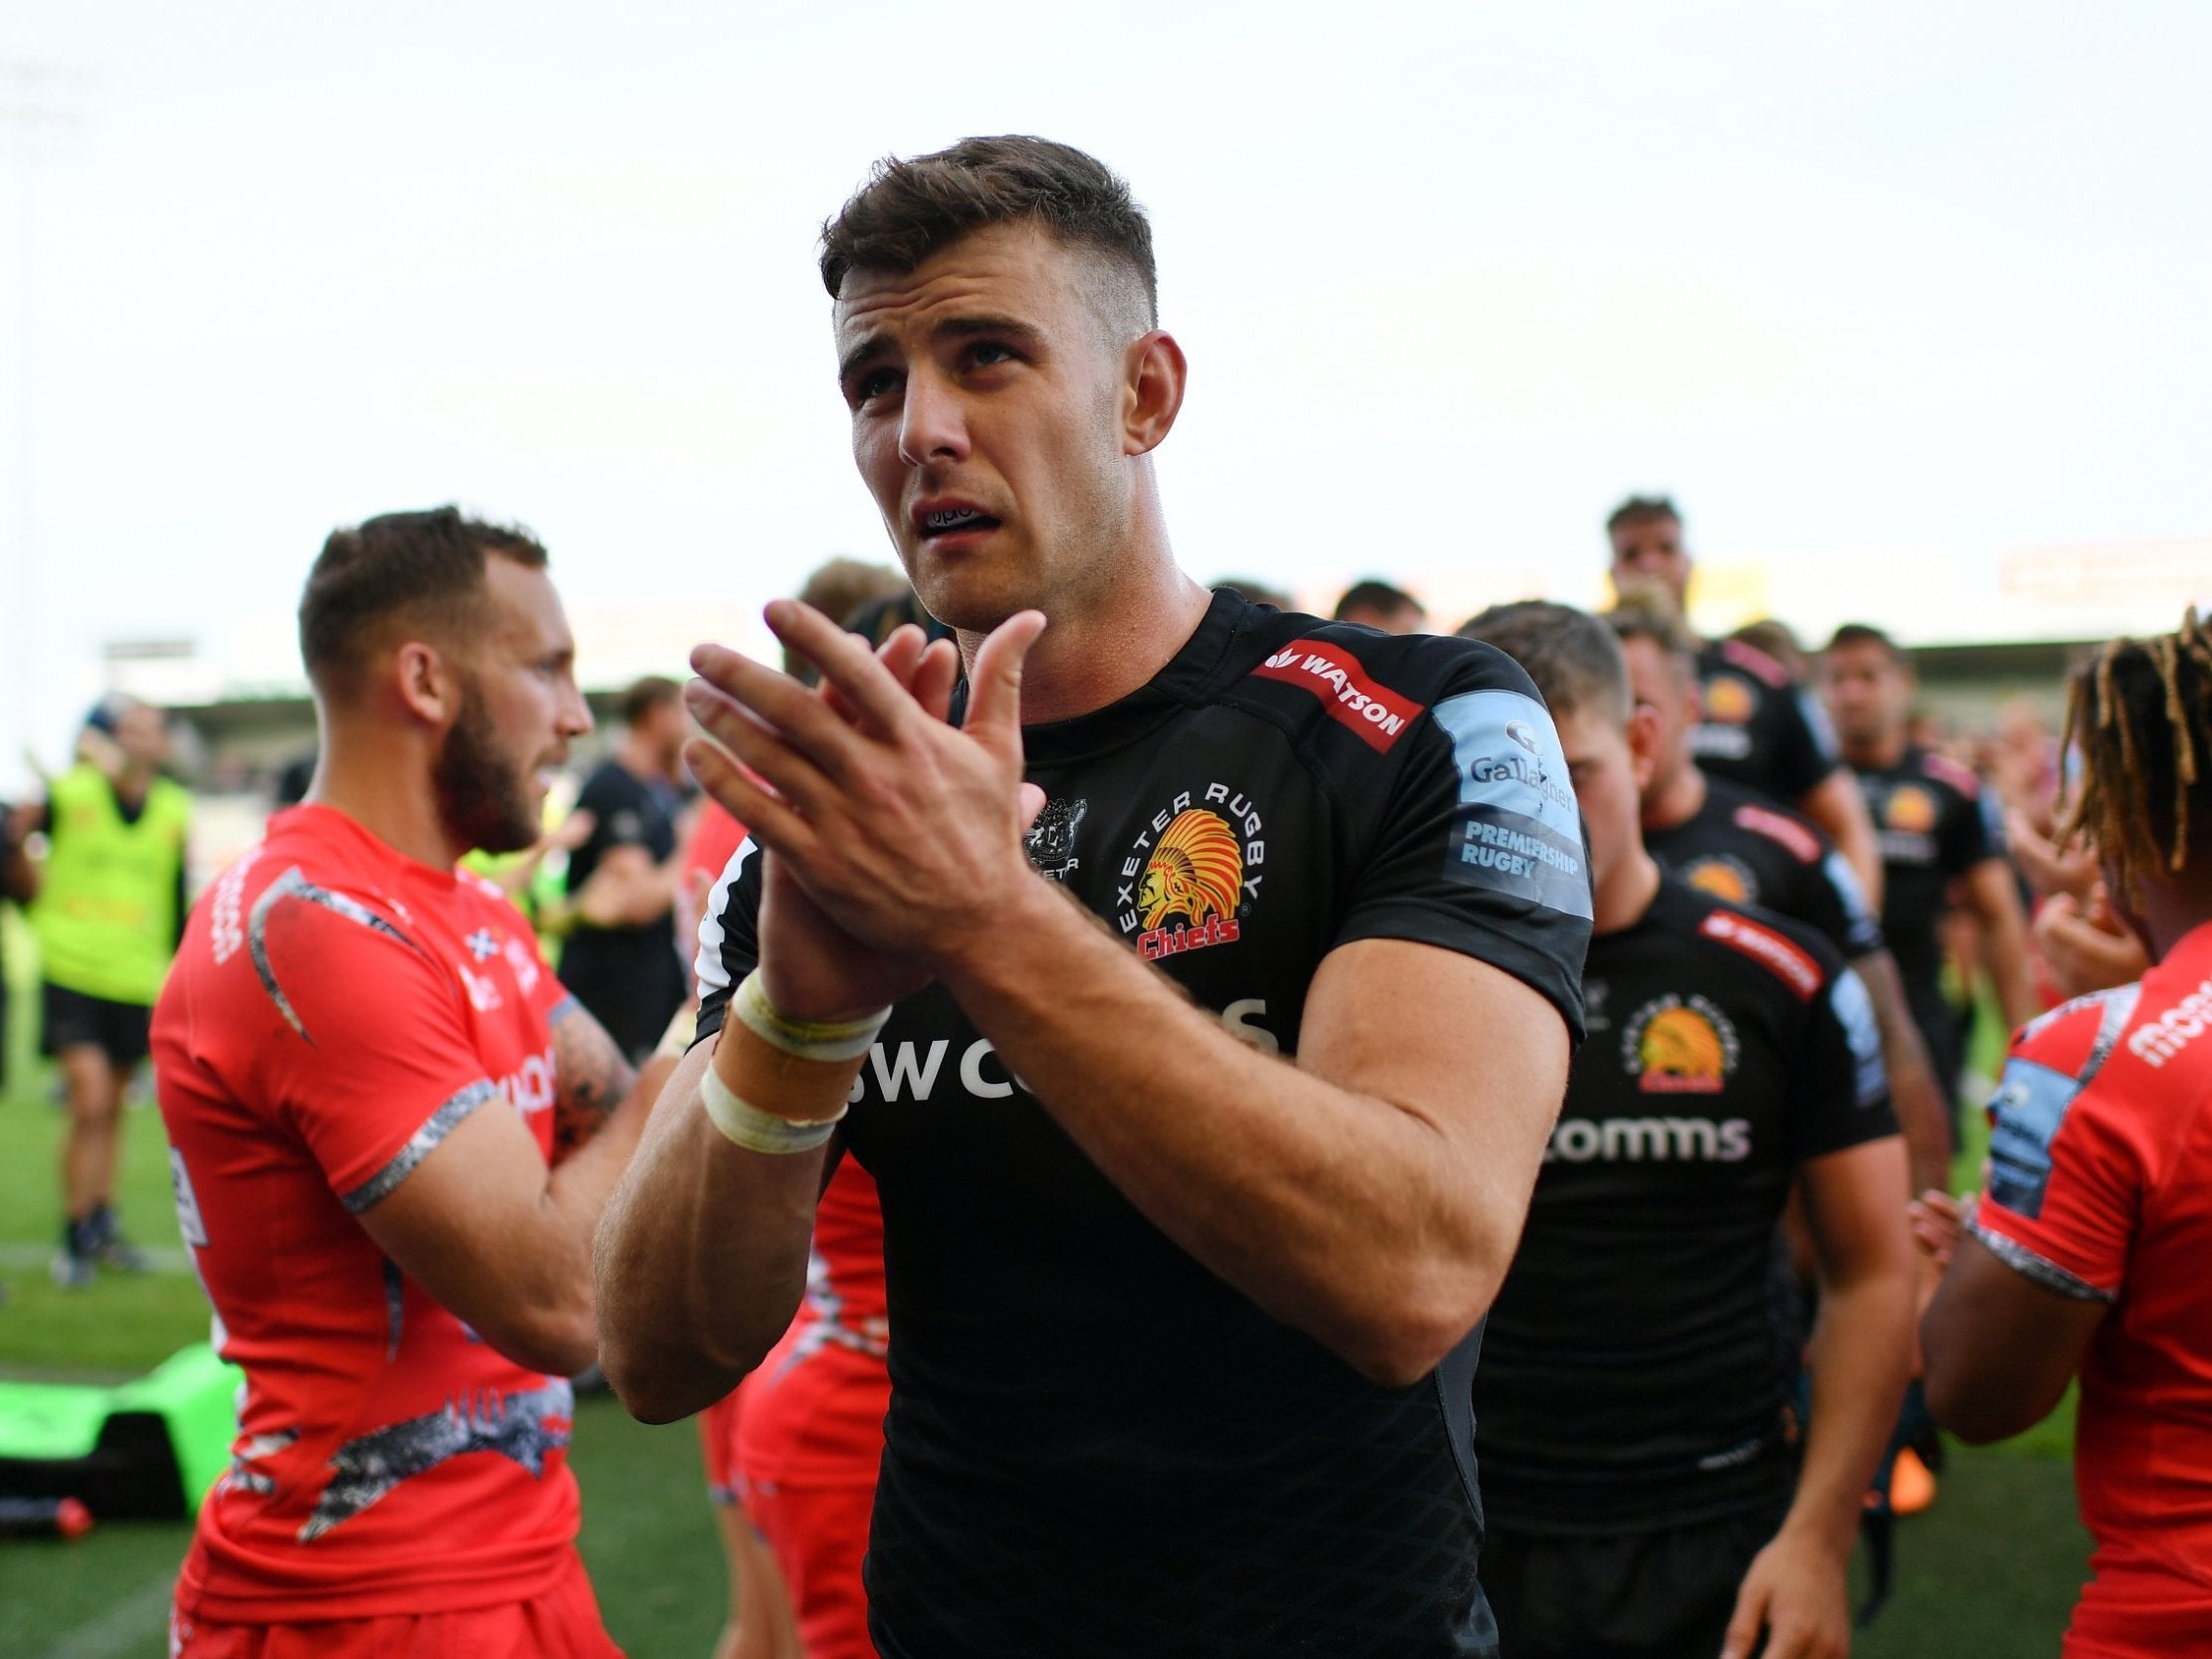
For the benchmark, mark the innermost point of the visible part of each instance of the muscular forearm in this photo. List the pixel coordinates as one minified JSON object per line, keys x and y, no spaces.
{"x":1860,"y":1356}
{"x":1919,"y":1098}
{"x":701,"y":1257}
{"x":1361,"y":1220}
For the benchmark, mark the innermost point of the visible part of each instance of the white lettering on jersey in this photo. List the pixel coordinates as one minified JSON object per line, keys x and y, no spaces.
{"x":2159,"y":1039}
{"x":1649,"y":1140}
{"x":529,"y":1087}
{"x":906,"y":1070}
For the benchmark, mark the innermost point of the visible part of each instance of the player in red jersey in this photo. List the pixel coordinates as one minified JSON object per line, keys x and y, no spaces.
{"x":393,"y":1133}
{"x":2087,"y":1255}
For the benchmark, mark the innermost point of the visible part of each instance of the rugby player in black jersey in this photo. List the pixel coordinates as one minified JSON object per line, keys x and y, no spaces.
{"x":1939,"y":837}
{"x":1756,"y":727}
{"x":1202,"y":994}
{"x":1648,"y":1491}
{"x":1734,"y":844}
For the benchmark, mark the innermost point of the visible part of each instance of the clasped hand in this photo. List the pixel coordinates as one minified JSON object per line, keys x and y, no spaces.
{"x":891,"y":836}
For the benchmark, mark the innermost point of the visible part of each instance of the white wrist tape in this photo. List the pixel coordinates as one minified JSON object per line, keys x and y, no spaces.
{"x":757,"y":1131}
{"x":805,"y":1039}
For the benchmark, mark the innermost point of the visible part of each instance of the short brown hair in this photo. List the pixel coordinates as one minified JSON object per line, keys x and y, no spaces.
{"x":1865,"y":633}
{"x":644,"y":695}
{"x":1646,"y":615}
{"x":420,"y":570}
{"x":1638,"y":510}
{"x":1571,"y":655}
{"x":913,"y":208}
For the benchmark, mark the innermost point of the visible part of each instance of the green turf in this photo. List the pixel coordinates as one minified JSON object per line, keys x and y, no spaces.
{"x":1990,"y":1571}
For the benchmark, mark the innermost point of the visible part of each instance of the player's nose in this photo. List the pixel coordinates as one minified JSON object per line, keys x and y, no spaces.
{"x":932,"y":424}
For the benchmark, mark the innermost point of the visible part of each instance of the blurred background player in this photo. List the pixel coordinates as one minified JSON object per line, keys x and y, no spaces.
{"x":619,"y":952}
{"x":1647,"y":1488}
{"x":107,"y":914}
{"x":2086,"y":1257}
{"x":1376,"y":604}
{"x":1726,"y":840}
{"x":1940,"y":843}
{"x":393,"y":1133}
{"x":1757,"y":727}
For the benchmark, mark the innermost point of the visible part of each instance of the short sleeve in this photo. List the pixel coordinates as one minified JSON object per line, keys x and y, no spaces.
{"x":1804,"y":753}
{"x":1856,"y":930}
{"x":1842,"y":1093}
{"x":729,"y":935}
{"x":1480,"y":848}
{"x":2065,"y":1179}
{"x":1972,"y":835}
{"x":369,"y":1055}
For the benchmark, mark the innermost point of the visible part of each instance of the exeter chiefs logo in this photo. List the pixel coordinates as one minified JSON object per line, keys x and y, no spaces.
{"x":1673,"y":1047}
{"x":1728,"y":700}
{"x":1723,"y":878}
{"x":1195,"y":872}
{"x":1910,"y":808}
{"x":1186,"y":880}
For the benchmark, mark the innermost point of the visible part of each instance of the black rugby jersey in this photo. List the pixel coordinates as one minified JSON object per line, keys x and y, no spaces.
{"x":1635,"y":1367}
{"x":1740,"y":847}
{"x":1096,"y":1446}
{"x":1934,"y":823}
{"x":1759,"y":726}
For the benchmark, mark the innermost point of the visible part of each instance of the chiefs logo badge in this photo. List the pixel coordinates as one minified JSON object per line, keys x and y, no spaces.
{"x":1673,"y":1047}
{"x":1728,"y":699}
{"x":1910,"y":808}
{"x":1190,"y":875}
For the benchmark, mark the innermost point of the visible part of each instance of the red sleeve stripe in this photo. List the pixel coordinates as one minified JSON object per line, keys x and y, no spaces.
{"x":1377,"y":715}
{"x":1786,"y":960}
{"x":1754,"y":662}
{"x":1776,"y":826}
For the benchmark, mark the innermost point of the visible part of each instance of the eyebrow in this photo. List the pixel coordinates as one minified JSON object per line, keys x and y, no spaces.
{"x":876,"y":346}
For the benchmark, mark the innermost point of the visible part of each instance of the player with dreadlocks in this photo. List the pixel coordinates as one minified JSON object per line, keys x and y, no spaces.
{"x":2087,"y":1253}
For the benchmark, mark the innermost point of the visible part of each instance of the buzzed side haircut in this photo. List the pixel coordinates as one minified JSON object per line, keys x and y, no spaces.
{"x":913,"y":208}
{"x":1571,"y":655}
{"x":419,"y":571}
{"x":1638,"y":510}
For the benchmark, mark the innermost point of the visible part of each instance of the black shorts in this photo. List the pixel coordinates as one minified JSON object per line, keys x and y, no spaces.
{"x":117,"y":1029}
{"x":1639,"y":1596}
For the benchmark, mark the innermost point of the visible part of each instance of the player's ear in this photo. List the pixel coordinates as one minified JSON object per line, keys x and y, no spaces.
{"x":1643,"y":744}
{"x":426,"y":683}
{"x":1154,"y":374}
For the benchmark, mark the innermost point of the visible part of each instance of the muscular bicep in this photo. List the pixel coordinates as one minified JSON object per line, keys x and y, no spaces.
{"x":1998,"y":1346}
{"x":1466,"y":1048}
{"x":458,"y":1221}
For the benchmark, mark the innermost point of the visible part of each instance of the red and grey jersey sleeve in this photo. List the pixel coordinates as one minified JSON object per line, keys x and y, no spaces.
{"x":2069,"y":1153}
{"x":1481,"y":849}
{"x":335,"y":980}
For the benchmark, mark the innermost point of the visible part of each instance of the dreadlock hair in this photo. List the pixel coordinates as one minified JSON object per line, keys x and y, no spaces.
{"x":2141,"y":713}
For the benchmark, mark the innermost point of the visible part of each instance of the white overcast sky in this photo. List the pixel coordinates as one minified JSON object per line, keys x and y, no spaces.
{"x":1878,"y":291}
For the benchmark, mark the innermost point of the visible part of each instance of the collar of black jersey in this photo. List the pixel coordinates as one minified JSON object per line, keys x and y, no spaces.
{"x":1181,"y":684}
